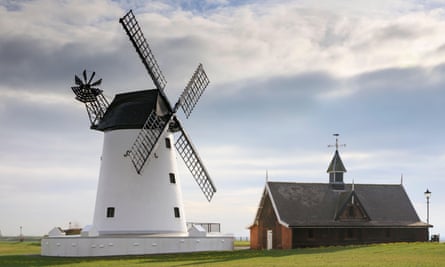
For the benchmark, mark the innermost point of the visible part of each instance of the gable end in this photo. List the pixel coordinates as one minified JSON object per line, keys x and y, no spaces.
{"x":352,"y":210}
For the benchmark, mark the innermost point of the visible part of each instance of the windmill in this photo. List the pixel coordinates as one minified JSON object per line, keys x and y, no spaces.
{"x":138,"y":191}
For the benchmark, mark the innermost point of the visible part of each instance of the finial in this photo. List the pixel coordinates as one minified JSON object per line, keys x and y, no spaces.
{"x":401,"y":179}
{"x":353,"y":188}
{"x":267,"y":176}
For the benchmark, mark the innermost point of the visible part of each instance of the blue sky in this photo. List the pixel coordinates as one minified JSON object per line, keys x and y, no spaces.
{"x":285,"y":76}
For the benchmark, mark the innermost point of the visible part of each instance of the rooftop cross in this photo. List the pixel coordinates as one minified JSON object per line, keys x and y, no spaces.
{"x":336,"y":142}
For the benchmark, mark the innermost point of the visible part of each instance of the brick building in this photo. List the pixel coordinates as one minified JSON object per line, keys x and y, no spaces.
{"x":292,"y":215}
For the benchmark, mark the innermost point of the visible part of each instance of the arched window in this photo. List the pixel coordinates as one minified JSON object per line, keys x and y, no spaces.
{"x":176,"y":211}
{"x":172,"y":178}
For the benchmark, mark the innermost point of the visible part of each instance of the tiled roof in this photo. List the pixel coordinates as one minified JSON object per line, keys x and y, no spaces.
{"x":316,"y":204}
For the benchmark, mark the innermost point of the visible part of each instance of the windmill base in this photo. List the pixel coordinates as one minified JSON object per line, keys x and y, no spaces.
{"x":79,"y":246}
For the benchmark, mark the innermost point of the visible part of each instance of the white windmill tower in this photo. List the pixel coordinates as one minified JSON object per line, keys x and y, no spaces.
{"x":138,"y":190}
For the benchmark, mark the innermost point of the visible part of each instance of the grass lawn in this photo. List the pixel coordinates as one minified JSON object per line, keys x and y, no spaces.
{"x":396,"y":254}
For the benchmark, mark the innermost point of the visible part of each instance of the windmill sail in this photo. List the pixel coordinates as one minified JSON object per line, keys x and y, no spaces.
{"x":193,"y":90}
{"x":136,"y":36}
{"x":194,"y":164}
{"x":147,"y":140}
{"x":156,"y":124}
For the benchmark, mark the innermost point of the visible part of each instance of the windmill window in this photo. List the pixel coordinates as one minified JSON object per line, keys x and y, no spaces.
{"x":172,"y":178}
{"x":168,"y":143}
{"x":110,"y":212}
{"x":176,"y":210}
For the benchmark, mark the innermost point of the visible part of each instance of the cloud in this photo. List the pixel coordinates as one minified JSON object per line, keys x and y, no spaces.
{"x":284,"y":77}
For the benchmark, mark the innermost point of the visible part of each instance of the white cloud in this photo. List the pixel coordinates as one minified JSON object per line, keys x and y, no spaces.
{"x":290,"y":39}
{"x":284,"y":76}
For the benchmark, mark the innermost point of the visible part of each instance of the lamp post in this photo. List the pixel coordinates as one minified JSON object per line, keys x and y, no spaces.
{"x":21,"y":237}
{"x":428,"y":195}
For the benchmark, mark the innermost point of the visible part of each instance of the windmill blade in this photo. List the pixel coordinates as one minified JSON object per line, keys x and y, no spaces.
{"x":91,"y":78}
{"x":193,"y":91}
{"x":83,"y":94}
{"x":77,"y":80}
{"x":194,"y":164}
{"x":97,"y":83}
{"x":85,"y":76}
{"x":95,"y":102}
{"x":136,"y":36}
{"x":147,"y":140}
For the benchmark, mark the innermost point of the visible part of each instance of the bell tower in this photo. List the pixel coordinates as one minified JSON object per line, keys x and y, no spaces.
{"x":336,"y":167}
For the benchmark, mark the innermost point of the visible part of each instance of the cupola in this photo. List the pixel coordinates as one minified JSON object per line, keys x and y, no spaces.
{"x":336,"y":168}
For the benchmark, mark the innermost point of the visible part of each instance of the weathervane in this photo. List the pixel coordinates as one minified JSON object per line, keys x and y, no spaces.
{"x":336,"y":142}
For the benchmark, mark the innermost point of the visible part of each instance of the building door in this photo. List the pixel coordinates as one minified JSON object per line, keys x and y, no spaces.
{"x":269,"y":239}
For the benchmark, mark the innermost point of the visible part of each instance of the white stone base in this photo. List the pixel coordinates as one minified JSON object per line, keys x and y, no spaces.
{"x":78,"y":246}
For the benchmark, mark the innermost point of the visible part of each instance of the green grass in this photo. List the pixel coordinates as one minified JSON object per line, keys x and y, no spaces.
{"x":18,"y":248}
{"x":238,"y":243}
{"x":396,"y":254}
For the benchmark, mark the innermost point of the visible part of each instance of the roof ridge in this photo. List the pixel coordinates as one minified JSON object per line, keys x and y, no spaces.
{"x":291,"y":182}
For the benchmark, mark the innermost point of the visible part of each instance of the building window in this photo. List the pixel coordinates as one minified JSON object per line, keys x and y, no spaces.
{"x":176,"y":210}
{"x":168,"y":143}
{"x":338,"y":177}
{"x":310,"y":233}
{"x":110,"y":212}
{"x":350,"y":233}
{"x":172,"y":178}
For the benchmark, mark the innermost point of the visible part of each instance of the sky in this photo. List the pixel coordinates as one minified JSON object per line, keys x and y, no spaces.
{"x":284,"y":76}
